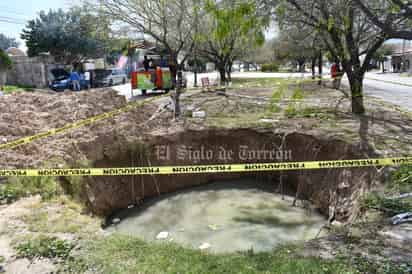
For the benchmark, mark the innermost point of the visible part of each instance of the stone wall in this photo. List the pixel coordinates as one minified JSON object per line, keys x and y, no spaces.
{"x":30,"y":71}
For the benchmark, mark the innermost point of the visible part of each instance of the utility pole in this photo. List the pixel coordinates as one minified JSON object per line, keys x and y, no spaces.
{"x":403,"y":55}
{"x":195,"y":84}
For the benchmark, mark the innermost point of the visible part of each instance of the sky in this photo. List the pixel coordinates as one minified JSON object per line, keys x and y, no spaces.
{"x":15,"y":13}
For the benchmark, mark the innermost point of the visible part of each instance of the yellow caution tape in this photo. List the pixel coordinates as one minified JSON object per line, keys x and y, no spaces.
{"x":203,"y":169}
{"x":89,"y":121}
{"x":77,"y":124}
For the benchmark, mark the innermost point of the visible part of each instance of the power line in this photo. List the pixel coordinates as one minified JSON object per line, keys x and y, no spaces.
{"x":13,"y":11}
{"x":11,"y":22}
{"x":12,"y":19}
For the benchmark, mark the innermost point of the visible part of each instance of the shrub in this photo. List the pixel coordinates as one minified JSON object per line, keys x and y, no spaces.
{"x":272,"y":67}
{"x":5,"y":61}
{"x":19,"y":187}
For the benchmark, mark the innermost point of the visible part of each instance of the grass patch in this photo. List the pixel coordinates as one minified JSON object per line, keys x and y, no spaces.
{"x":123,"y":254}
{"x":8,"y":89}
{"x":259,"y":82}
{"x":19,"y":187}
{"x":61,"y":215}
{"x":44,"y":247}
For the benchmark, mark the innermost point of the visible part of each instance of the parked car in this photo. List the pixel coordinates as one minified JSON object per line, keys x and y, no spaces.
{"x":108,"y":77}
{"x":61,"y":80}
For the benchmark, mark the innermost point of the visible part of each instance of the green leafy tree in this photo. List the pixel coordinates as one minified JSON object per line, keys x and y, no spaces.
{"x":5,"y":65}
{"x":229,"y":30}
{"x":70,"y":37}
{"x":7,"y":42}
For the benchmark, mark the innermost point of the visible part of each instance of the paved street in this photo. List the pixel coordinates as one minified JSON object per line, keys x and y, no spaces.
{"x":392,"y":88}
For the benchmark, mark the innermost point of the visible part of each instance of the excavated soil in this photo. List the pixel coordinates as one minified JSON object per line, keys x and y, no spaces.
{"x":233,"y":121}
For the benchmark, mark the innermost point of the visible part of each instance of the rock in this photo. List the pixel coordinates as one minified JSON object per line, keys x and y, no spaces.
{"x":267,"y":121}
{"x":162,"y":235}
{"x":199,"y":114}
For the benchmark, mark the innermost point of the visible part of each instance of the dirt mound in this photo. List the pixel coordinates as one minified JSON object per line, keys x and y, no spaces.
{"x":26,"y":114}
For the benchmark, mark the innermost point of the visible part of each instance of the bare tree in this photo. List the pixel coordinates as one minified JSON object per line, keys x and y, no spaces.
{"x":394,"y":17}
{"x":169,"y":23}
{"x":347,"y":34}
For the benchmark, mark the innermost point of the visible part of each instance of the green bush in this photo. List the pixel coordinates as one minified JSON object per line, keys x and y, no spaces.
{"x":5,"y":61}
{"x":401,"y":179}
{"x":272,"y":67}
{"x":18,"y":187}
{"x":44,"y":247}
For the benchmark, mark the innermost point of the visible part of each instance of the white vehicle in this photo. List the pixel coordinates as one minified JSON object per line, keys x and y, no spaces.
{"x":109,"y":77}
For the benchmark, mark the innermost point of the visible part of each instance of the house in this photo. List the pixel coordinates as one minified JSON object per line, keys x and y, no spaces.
{"x":401,"y":59}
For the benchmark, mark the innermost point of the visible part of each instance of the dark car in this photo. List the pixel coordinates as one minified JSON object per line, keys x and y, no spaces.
{"x":61,"y":80}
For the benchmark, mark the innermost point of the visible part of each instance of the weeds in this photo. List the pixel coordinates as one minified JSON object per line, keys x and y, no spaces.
{"x":19,"y":187}
{"x":388,"y":206}
{"x":44,"y":247}
{"x":401,"y":180}
{"x":108,"y":255}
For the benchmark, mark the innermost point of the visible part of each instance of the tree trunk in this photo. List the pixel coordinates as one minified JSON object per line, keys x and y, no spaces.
{"x":177,"y":94}
{"x":229,"y":71}
{"x":356,"y":88}
{"x":173,"y":66}
{"x":222,"y":73}
{"x":3,"y":77}
{"x":313,"y":68}
{"x":320,"y":67}
{"x":301,"y":66}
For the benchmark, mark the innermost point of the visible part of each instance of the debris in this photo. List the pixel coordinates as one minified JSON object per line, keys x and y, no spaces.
{"x":213,"y":227}
{"x":402,"y":196}
{"x":130,"y":206}
{"x":199,"y":114}
{"x":116,"y":221}
{"x":401,"y":218}
{"x":204,"y":246}
{"x":162,"y":235}
{"x":4,"y":140}
{"x":268,"y":120}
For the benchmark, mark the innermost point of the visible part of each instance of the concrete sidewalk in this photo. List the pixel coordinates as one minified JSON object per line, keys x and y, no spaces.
{"x":391,"y":78}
